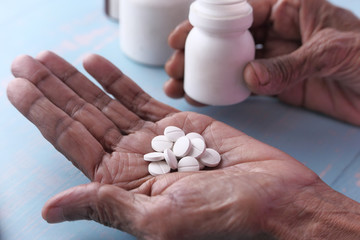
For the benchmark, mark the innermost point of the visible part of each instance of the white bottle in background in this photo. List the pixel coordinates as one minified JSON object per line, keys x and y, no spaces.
{"x":112,"y":8}
{"x":145,"y":26}
{"x":217,"y":50}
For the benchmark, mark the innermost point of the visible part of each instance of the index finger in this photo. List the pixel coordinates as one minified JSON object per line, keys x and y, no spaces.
{"x":126,"y":91}
{"x":178,"y":37}
{"x":68,"y":136}
{"x":261,"y":11}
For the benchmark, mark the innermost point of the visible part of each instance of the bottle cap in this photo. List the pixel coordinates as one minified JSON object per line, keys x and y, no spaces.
{"x":221,"y":15}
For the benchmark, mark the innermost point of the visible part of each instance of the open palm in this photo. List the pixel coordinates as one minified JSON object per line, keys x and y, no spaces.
{"x":107,"y":137}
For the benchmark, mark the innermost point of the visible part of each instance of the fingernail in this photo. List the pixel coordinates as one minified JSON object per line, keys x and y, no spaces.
{"x":55,"y":215}
{"x":42,"y":54}
{"x":260,"y":75}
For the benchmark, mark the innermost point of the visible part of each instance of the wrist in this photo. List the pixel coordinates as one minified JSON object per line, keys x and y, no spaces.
{"x":314,"y":212}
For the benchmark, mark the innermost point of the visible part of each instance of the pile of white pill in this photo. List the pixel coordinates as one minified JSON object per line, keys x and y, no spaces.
{"x":177,"y":151}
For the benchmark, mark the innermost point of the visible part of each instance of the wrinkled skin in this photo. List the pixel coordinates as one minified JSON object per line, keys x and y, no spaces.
{"x":106,"y":139}
{"x":309,"y":58}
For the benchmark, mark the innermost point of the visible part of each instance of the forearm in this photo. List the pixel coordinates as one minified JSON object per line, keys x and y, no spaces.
{"x":316,"y":212}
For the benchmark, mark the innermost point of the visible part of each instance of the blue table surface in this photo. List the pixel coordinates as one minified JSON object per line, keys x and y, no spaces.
{"x":33,"y":171}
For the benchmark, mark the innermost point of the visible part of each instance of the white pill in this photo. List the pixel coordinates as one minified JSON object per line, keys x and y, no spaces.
{"x":182,"y":147}
{"x":158,"y":168}
{"x":154,"y":157}
{"x":188,"y":164}
{"x":170,"y":159}
{"x":160,"y":143}
{"x":173,"y":133}
{"x":197,"y":147}
{"x":193,"y":135}
{"x":210,"y":158}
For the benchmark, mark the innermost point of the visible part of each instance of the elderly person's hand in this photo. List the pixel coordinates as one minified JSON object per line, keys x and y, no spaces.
{"x":256,"y":192}
{"x":310,"y":56}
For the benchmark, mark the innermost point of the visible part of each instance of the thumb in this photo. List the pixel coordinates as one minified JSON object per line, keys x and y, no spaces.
{"x":106,"y":204}
{"x":326,"y":54}
{"x":274,"y":75}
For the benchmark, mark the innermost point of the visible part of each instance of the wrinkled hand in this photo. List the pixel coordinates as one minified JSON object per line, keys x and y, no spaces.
{"x":106,"y":139}
{"x":310,"y":56}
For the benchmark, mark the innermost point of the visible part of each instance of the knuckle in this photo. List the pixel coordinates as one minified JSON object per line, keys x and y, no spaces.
{"x":103,"y":212}
{"x":331,"y":50}
{"x":283,"y":4}
{"x":175,"y":65}
{"x":283,"y":74}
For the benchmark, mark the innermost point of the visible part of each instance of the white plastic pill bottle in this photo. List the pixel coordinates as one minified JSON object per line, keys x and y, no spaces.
{"x":217,"y":50}
{"x":112,"y":9}
{"x":145,"y":26}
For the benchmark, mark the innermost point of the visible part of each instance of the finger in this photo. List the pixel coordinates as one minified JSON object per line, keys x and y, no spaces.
{"x":331,"y":17}
{"x":285,"y":19}
{"x":175,"y":66}
{"x":273,"y":76}
{"x":68,"y":136}
{"x":261,"y":11}
{"x":106,"y":204}
{"x":125,"y":90}
{"x":63,"y":97}
{"x":174,"y":88}
{"x":124,"y":120}
{"x":178,"y":37}
{"x":279,"y":19}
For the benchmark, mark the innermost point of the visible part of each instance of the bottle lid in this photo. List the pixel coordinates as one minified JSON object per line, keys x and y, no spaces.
{"x":221,"y":15}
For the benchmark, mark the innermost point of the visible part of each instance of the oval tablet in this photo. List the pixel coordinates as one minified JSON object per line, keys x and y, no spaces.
{"x":158,"y":168}
{"x":173,"y":133}
{"x":197,"y":147}
{"x":170,"y":159}
{"x":188,"y":164}
{"x":154,"y":157}
{"x":160,"y":143}
{"x":210,"y":158}
{"x":193,"y":135}
{"x":182,"y":147}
